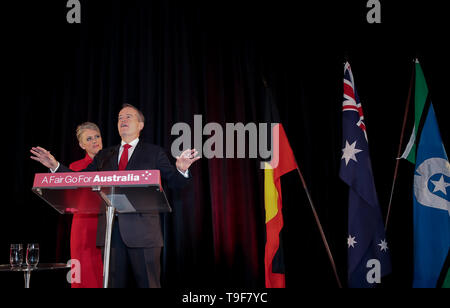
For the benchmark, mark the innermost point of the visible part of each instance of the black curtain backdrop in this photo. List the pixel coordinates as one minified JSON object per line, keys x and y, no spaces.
{"x":175,"y":59}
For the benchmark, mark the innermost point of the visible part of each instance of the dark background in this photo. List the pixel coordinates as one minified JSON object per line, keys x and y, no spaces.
{"x":174,"y":59}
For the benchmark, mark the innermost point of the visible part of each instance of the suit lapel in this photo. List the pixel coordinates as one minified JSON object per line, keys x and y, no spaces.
{"x":134,"y":158}
{"x":107,"y":160}
{"x":115,"y":159}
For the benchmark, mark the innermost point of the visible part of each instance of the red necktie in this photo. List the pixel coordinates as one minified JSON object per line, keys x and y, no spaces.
{"x":124,"y":158}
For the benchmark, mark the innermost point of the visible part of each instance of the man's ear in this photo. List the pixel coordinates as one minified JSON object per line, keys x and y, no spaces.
{"x":141,"y":126}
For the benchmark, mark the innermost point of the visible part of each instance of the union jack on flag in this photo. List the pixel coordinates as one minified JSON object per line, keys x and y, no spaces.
{"x":351,"y":99}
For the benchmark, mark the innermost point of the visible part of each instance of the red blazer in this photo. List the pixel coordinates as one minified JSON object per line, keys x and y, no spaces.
{"x":82,"y":243}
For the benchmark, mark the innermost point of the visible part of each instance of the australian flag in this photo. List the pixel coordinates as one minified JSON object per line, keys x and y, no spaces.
{"x":368,"y":252}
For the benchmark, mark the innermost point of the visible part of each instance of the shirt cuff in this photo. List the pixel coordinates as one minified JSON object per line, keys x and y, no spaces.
{"x":185,"y":174}
{"x":56,"y":169}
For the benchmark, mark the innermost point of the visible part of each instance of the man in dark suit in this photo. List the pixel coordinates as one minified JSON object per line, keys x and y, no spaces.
{"x":137,"y":239}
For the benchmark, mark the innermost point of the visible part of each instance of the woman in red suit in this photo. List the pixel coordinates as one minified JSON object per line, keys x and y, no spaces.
{"x":84,"y":226}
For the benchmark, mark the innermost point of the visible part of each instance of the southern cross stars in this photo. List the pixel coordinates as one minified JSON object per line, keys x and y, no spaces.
{"x":383,"y":245}
{"x":349,"y":152}
{"x":351,"y":241}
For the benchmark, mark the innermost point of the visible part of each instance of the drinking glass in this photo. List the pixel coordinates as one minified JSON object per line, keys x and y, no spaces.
{"x":16,"y":255}
{"x":32,"y":258}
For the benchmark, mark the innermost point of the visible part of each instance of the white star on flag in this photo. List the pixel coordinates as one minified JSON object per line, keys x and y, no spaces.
{"x":349,"y":152}
{"x":351,"y":241}
{"x":383,"y":245}
{"x":440,"y":185}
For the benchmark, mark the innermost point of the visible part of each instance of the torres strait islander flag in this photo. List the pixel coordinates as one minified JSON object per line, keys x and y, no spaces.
{"x":283,"y":161}
{"x":431,"y":200}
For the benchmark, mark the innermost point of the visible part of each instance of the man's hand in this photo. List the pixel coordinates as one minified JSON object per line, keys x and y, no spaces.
{"x":44,"y":157}
{"x":186,"y":159}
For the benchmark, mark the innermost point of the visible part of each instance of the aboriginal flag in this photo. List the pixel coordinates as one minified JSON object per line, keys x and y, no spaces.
{"x":282,"y":161}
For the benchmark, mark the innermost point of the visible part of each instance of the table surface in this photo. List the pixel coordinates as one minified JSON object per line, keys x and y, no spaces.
{"x":40,"y":267}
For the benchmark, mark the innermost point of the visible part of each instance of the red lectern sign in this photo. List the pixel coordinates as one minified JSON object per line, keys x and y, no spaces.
{"x":137,"y":191}
{"x":91,"y":179}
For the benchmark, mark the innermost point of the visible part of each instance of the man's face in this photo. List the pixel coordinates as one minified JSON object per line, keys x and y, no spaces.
{"x":128,"y":124}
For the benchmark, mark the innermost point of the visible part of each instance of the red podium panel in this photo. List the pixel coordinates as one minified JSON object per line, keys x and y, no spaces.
{"x":123,"y":192}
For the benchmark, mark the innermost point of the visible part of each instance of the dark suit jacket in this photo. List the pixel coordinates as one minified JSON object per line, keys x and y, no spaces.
{"x":137,"y":230}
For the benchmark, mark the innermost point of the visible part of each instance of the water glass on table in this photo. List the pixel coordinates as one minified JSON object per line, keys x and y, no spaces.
{"x":32,"y":258}
{"x":16,"y":255}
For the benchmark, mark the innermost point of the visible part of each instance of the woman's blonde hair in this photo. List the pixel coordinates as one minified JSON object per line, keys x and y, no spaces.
{"x":84,"y":126}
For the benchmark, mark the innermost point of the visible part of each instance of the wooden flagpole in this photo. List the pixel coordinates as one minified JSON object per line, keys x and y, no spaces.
{"x":399,"y":153}
{"x":319,"y":225}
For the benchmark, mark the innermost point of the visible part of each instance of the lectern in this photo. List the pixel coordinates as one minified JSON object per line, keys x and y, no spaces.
{"x":110,"y":192}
